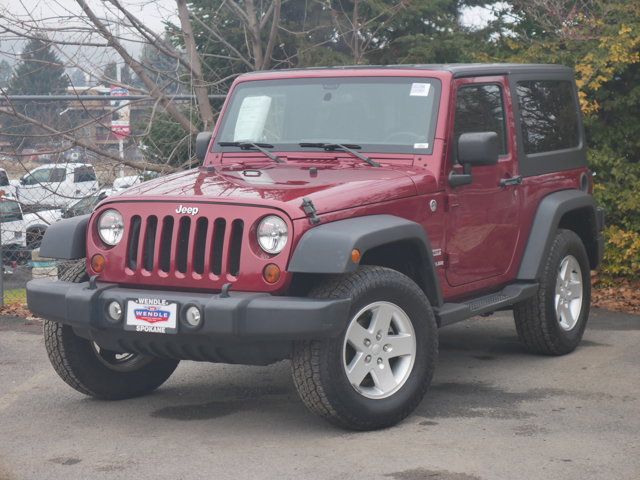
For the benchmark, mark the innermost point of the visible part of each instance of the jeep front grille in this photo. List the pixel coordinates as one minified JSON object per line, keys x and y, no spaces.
{"x":193,"y":247}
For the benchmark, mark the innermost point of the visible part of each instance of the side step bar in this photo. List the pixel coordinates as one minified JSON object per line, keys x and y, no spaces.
{"x":450,"y":313}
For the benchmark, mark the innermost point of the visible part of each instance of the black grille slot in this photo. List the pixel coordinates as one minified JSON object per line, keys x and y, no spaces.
{"x":235,"y":247}
{"x":134,"y":237}
{"x":149,"y":243}
{"x":219,"y":227}
{"x":165,"y":244}
{"x":182,"y":245}
{"x":199,"y":245}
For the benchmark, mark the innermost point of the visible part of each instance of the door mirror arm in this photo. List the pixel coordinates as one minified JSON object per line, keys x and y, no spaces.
{"x":458,"y":179}
{"x":476,"y":148}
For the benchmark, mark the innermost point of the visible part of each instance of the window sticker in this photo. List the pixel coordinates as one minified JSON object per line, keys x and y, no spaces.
{"x":252,"y":118}
{"x":420,"y":89}
{"x":420,"y":145}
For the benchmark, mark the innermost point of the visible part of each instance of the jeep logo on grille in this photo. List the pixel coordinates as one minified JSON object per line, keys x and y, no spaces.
{"x":187,"y":210}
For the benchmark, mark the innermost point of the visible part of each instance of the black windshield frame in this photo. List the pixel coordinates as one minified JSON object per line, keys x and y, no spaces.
{"x":231,"y":111}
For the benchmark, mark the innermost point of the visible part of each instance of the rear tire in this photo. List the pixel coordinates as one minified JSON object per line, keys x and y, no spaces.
{"x":553,"y":321}
{"x":97,"y":372}
{"x":330,"y":375}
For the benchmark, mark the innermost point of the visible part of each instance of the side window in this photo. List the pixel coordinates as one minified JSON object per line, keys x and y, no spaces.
{"x":10,"y":211}
{"x":38,"y":176}
{"x":480,"y":108}
{"x":57,"y":175}
{"x":548,"y":115}
{"x":84,"y":174}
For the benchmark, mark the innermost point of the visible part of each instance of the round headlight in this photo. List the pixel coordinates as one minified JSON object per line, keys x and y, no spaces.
{"x":272,"y":234}
{"x":111,"y":227}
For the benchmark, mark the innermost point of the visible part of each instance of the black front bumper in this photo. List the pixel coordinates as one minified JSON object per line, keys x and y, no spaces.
{"x":241,"y":320}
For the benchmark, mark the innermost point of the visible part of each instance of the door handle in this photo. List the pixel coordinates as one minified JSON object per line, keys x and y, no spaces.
{"x":506,"y":182}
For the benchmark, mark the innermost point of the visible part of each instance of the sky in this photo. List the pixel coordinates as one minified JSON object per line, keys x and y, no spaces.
{"x":154,"y":13}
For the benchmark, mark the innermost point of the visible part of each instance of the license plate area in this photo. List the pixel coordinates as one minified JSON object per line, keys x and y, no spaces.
{"x":151,"y":315}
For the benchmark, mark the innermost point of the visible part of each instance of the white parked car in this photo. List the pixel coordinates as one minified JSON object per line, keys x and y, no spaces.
{"x":12,"y":227}
{"x":7,"y":187}
{"x":57,"y":185}
{"x":36,"y":224}
{"x":122,"y":183}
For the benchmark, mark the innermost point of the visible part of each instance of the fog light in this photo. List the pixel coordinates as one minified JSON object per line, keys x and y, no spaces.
{"x":97,"y":263}
{"x":271,"y":273}
{"x":193,"y":317}
{"x":114,"y":310}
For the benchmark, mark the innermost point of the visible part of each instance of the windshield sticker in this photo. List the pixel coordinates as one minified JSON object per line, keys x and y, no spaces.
{"x":420,"y":89}
{"x":251,"y":118}
{"x":420,"y":145}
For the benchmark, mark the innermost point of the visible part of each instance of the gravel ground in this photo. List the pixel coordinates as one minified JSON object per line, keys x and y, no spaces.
{"x":493,"y":412}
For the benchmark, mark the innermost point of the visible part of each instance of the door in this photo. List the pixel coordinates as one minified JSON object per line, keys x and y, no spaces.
{"x":84,"y":184}
{"x":483,"y":216}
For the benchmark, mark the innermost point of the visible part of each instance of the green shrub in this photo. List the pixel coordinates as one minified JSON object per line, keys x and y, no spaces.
{"x":622,"y":254}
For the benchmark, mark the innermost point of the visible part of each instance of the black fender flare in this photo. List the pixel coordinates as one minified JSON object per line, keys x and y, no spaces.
{"x":545,"y":224}
{"x":66,"y":239}
{"x":326,"y":248}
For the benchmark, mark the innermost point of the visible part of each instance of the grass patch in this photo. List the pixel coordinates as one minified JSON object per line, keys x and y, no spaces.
{"x":15,"y":296}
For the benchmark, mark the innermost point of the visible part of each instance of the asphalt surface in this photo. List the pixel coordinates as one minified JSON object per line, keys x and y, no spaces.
{"x":493,"y":412}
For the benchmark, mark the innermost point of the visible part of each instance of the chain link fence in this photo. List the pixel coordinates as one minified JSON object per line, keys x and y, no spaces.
{"x":36,"y":195}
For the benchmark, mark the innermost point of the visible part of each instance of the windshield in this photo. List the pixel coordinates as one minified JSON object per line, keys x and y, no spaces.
{"x":381,"y":114}
{"x":85,"y":204}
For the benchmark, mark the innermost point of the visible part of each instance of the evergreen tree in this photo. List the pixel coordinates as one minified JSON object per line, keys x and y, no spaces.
{"x":77,"y":78}
{"x":5,"y":73}
{"x":39,"y":72}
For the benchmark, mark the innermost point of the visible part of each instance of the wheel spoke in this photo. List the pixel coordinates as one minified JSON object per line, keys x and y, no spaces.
{"x":402,"y":344}
{"x":357,"y":336}
{"x":381,"y":319}
{"x":575,"y":289}
{"x":564,"y":270}
{"x":383,"y":377}
{"x":566,"y":316}
{"x":357,"y":369}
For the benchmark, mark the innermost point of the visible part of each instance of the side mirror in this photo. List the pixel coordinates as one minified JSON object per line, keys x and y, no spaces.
{"x":202,"y":144}
{"x":478,"y":148}
{"x":474,"y":149}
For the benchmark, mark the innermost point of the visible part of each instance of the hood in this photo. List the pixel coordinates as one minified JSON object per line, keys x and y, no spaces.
{"x":331,"y":186}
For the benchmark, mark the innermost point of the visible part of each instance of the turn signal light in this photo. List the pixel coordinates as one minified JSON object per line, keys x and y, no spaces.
{"x":97,"y":263}
{"x":271,"y":273}
{"x":355,"y":255}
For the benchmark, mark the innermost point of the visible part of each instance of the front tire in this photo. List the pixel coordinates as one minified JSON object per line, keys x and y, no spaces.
{"x":97,"y":372}
{"x":553,"y":321}
{"x":379,"y":368}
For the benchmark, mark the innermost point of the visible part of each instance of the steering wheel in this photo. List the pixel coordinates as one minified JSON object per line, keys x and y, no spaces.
{"x":404,"y":136}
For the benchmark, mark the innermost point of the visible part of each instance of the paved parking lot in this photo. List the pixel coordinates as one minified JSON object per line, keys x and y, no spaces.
{"x":494,"y":412}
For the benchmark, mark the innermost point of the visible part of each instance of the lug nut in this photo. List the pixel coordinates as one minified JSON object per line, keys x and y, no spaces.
{"x":367,"y":359}
{"x":367,"y":342}
{"x":379,"y":361}
{"x":387,"y":348}
{"x":379,"y":336}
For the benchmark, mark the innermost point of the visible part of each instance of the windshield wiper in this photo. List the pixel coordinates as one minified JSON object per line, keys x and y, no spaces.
{"x":340,"y":146}
{"x":258,"y":146}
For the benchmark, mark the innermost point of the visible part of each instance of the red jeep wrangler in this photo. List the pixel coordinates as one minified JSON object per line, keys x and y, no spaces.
{"x":340,"y":216}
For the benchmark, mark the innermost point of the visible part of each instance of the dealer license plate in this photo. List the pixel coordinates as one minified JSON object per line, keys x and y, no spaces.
{"x":151,"y":315}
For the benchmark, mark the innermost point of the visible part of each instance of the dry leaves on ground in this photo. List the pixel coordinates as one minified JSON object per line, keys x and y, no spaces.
{"x":621,"y":296}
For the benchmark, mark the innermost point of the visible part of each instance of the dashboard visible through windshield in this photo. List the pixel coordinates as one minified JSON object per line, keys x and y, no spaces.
{"x":378,"y":114}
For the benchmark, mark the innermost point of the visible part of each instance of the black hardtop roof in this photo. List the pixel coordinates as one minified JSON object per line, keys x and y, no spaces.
{"x":459,"y":69}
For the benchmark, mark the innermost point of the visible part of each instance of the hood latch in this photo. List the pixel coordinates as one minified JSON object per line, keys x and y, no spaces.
{"x":310,"y":209}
